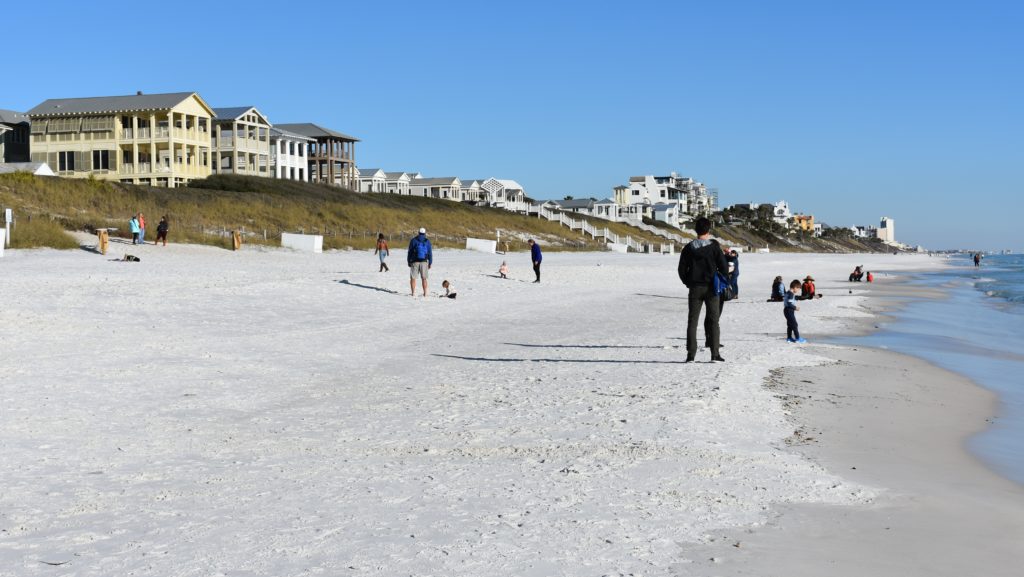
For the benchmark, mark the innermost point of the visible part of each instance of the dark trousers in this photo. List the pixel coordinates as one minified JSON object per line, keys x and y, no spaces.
{"x":702,"y":297}
{"x":536,"y":270}
{"x":792,"y":328}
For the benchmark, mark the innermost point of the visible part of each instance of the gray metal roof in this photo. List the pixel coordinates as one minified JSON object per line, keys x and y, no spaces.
{"x":12,"y":117}
{"x":577,"y":203}
{"x":395,"y":175}
{"x":315,"y":131}
{"x":439,"y":180}
{"x":278,"y":133}
{"x":231,"y":112}
{"x":110,"y":104}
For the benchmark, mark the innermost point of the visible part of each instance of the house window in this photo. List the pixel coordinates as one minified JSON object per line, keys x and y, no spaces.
{"x":66,"y":160}
{"x":101,"y":160}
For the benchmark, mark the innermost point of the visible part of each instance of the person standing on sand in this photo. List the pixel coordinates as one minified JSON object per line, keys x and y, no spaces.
{"x":536,"y":257}
{"x":698,"y":263}
{"x":133,"y":226}
{"x":733,"y":258}
{"x":420,"y":259}
{"x":383,"y":252}
{"x":161,"y":231}
{"x":789,"y":309}
{"x":977,"y":259}
{"x":142,"y":229}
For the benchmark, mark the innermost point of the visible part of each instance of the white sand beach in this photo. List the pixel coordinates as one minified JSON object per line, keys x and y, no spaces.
{"x":266,"y":412}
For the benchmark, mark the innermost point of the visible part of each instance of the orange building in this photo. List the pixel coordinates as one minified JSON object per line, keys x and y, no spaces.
{"x":804,"y":221}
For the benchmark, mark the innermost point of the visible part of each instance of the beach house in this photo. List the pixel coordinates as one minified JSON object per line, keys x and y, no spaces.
{"x":445,"y":187}
{"x":331,"y":156}
{"x":371,"y":180}
{"x":471,"y":191}
{"x":643,"y":192}
{"x":288,"y":158}
{"x":14,"y":136}
{"x":155,"y":139}
{"x":240,"y":142}
{"x":577,"y":205}
{"x":804,"y":222}
{"x":397,"y":182}
{"x":505,"y":193}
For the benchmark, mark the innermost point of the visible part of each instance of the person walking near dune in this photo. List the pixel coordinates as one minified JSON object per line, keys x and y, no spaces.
{"x":383,"y":252}
{"x":536,"y":257}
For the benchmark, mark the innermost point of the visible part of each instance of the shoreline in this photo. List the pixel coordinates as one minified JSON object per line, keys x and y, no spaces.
{"x":941,"y":510}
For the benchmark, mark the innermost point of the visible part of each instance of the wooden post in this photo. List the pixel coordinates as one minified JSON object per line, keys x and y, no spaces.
{"x":236,"y":240}
{"x":104,"y":238}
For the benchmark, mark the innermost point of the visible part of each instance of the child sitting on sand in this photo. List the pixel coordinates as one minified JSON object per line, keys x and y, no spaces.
{"x":807,"y":290}
{"x":448,"y":292}
{"x":778,"y":291}
{"x":789,"y":309}
{"x":503,"y":270}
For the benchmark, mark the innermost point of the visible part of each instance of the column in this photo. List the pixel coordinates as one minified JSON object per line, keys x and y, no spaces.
{"x":135,"y":144}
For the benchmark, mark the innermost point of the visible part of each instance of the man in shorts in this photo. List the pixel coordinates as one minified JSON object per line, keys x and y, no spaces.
{"x":420,"y":259}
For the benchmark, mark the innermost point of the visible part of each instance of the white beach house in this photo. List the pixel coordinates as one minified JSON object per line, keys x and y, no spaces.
{"x":397,"y":183}
{"x":445,"y":187}
{"x":371,"y":180}
{"x":288,"y":154}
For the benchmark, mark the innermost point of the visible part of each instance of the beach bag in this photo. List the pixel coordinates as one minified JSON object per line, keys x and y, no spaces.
{"x":722,"y":287}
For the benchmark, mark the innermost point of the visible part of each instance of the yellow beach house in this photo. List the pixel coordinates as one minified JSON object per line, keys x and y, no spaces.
{"x":154,"y":139}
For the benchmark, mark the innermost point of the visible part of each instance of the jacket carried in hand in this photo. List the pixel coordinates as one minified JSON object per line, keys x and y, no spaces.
{"x":699,"y":262}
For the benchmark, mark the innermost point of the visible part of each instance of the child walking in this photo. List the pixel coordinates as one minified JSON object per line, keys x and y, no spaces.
{"x":789,"y":309}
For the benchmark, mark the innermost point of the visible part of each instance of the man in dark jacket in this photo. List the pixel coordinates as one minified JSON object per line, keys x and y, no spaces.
{"x":698,"y":263}
{"x":420,"y":259}
{"x":536,"y":257}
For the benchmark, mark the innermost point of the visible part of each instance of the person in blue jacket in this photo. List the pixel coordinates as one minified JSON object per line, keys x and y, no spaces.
{"x":536,"y":257}
{"x":420,"y":259}
{"x":732,"y":258}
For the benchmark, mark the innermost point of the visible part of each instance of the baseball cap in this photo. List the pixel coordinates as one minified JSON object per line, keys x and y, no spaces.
{"x":423,"y":231}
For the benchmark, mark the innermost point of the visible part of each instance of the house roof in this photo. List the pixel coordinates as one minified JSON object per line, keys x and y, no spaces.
{"x":637,"y":178}
{"x":470,"y":181}
{"x":33,"y":167}
{"x":111,"y":104}
{"x":395,"y":175}
{"x":605,"y":201}
{"x":439,"y":180}
{"x":315,"y":131}
{"x":276,"y":132}
{"x":577,"y":203}
{"x":368,"y":171}
{"x":232,"y":112}
{"x":664,"y":206}
{"x":12,"y":117}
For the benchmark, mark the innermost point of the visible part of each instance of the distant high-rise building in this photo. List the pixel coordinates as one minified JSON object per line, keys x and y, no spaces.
{"x":887,"y":230}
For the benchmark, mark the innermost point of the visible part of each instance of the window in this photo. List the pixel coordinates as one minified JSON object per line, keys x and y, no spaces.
{"x":66,"y":160}
{"x":39,"y":126}
{"x":65,"y":124}
{"x":98,"y":123}
{"x":101,"y":160}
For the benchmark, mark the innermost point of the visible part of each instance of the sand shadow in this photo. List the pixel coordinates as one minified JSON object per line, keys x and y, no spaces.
{"x":583,"y":346}
{"x":364,"y":286}
{"x":585,"y":361}
{"x":662,"y":297}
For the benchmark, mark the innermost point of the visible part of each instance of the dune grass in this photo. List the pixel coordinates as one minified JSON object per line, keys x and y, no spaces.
{"x":41,"y":232}
{"x":206,"y":211}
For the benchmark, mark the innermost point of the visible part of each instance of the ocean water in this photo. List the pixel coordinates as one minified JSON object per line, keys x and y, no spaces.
{"x":978,"y":332}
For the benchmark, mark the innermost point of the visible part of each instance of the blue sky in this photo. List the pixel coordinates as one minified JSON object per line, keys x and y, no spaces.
{"x":849,"y":111}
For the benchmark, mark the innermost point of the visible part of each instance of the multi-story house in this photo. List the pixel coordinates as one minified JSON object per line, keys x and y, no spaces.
{"x":472,"y":192}
{"x":804,"y":222}
{"x":241,"y":142}
{"x":155,"y":139}
{"x":505,"y":193}
{"x":397,"y":182}
{"x":887,"y":230}
{"x":331,"y":155}
{"x":446,"y":187}
{"x":371,"y":180}
{"x":14,"y":136}
{"x":288,"y":158}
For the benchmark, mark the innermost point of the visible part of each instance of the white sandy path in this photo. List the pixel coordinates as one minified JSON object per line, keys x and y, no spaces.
{"x":265,"y":412}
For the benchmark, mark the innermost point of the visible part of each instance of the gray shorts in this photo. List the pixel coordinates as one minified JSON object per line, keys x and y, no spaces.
{"x":419,"y":269}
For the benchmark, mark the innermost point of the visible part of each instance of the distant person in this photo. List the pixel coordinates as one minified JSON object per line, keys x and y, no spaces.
{"x":142,"y":229}
{"x":778,"y":293}
{"x":420,"y":259}
{"x":733,"y":258}
{"x":133,"y":226}
{"x":807,"y":290}
{"x":448,"y":292}
{"x":536,"y":257}
{"x":382,"y":251}
{"x":871,"y":277}
{"x":977,"y":259}
{"x":698,"y":263}
{"x":161,"y":231}
{"x":503,"y":270}
{"x":857,"y":274}
{"x":789,"y":309}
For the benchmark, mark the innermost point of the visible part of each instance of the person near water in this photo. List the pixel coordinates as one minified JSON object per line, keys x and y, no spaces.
{"x":503,"y":270}
{"x":857,"y":274}
{"x":161,"y":230}
{"x":807,"y":290}
{"x":536,"y":257}
{"x":448,"y":292}
{"x":133,"y":226}
{"x":977,"y":259}
{"x":420,"y":259}
{"x":778,"y":293}
{"x":382,"y":251}
{"x":699,"y":261}
{"x":733,"y":258}
{"x":789,"y":309}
